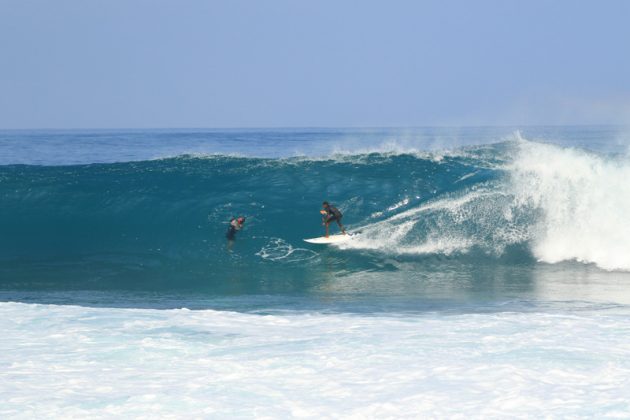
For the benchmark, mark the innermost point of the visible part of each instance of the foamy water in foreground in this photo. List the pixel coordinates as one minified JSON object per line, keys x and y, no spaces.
{"x":77,"y":362}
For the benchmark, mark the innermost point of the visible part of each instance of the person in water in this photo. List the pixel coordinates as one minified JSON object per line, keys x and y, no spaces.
{"x":235,"y":226}
{"x":331,"y":214}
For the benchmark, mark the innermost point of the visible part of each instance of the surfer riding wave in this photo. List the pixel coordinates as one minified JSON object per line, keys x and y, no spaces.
{"x":331,"y":214}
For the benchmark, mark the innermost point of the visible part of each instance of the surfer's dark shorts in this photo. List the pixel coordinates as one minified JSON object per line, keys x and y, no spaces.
{"x":231,"y":233}
{"x":334,"y":219}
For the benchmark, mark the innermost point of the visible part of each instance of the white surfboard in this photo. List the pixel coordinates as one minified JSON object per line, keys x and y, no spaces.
{"x":332,"y":239}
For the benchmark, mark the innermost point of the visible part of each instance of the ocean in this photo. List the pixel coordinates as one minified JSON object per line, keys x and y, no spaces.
{"x":489,"y":276}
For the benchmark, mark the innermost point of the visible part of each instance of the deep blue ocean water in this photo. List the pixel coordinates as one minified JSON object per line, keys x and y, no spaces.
{"x":467,"y":239}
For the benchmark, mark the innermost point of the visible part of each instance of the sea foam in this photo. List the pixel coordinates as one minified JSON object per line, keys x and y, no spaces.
{"x":69,"y":361}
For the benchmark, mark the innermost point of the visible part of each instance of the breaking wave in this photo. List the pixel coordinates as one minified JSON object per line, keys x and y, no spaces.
{"x":166,"y":219}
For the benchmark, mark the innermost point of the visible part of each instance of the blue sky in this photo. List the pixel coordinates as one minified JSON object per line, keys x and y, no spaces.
{"x":297,"y":63}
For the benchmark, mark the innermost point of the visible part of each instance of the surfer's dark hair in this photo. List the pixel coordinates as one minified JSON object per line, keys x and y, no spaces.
{"x":325,"y":203}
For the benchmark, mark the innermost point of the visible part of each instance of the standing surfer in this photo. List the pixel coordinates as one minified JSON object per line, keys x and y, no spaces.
{"x":331,"y":213}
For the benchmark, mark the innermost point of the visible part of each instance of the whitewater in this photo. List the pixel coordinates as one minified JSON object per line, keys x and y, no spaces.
{"x":489,"y":277}
{"x":146,"y":363}
{"x":567,"y":204}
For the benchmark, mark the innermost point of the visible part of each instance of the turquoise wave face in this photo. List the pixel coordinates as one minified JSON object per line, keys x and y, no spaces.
{"x":447,"y":217}
{"x":162,"y":223}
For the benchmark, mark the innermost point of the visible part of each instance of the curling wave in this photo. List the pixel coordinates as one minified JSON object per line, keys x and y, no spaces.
{"x":562,"y":203}
{"x":161,"y":220}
